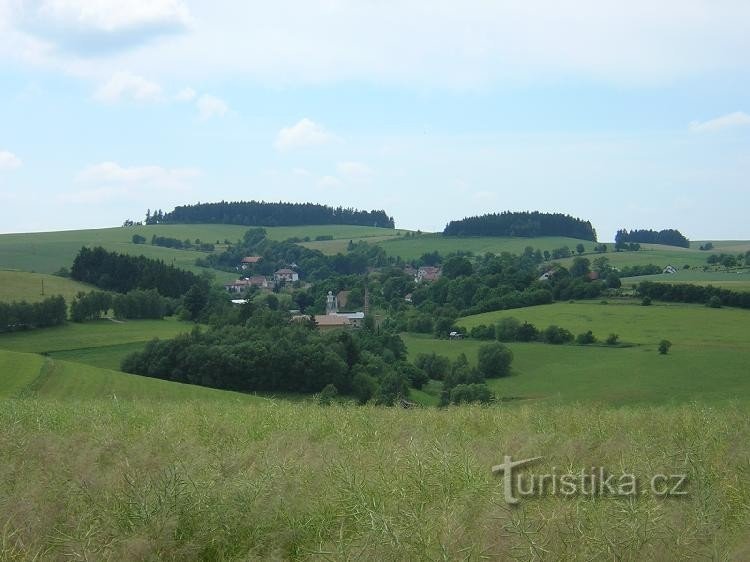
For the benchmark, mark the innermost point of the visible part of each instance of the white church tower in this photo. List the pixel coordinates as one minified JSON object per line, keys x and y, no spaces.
{"x":332,"y":305}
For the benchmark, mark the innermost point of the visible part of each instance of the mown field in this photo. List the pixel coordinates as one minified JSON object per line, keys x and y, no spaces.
{"x":34,"y":287}
{"x":707,"y":363}
{"x":201,"y":480}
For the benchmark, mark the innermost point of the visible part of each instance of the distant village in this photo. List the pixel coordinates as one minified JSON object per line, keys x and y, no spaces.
{"x":336,"y":315}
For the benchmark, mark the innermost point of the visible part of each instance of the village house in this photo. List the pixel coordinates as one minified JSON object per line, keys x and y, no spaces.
{"x":249,"y":261}
{"x":286,"y":275}
{"x":428,"y":273}
{"x":241,"y":285}
{"x":669,"y":270}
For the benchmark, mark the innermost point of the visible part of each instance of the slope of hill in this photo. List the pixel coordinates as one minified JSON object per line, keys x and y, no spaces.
{"x":47,"y":252}
{"x":30,"y":375}
{"x":409,"y":248}
{"x":22,"y":285}
{"x":707,"y":363}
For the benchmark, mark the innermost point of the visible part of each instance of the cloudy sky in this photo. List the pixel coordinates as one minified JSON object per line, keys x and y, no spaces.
{"x":631,"y":114}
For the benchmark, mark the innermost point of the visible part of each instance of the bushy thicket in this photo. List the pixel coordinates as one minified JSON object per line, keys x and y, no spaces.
{"x":121,"y":273}
{"x":23,"y":315}
{"x":140,"y":304}
{"x":684,"y":292}
{"x":90,"y":306}
{"x":260,"y":213}
{"x":522,"y":224}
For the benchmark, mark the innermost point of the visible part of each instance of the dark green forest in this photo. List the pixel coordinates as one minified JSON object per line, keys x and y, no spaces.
{"x":526,"y":224}
{"x":261,"y":213}
{"x":121,"y":273}
{"x":668,"y":237}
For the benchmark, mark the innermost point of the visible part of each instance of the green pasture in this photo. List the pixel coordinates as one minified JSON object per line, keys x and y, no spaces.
{"x":736,"y":280}
{"x":409,"y":248}
{"x":47,"y":252}
{"x":34,"y":287}
{"x":29,"y":375}
{"x":707,"y":363}
{"x":683,"y":324}
{"x":95,"y":334}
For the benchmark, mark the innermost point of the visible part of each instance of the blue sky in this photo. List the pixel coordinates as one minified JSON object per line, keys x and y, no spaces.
{"x":627,"y":114}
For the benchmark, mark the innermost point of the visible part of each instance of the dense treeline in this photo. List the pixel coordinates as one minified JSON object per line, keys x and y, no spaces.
{"x":684,"y":292}
{"x":121,"y":273}
{"x":488,"y":283}
{"x":138,"y":304}
{"x":90,"y":306}
{"x":260,"y":213}
{"x":525,"y":224}
{"x":22,"y":315}
{"x":637,"y":270}
{"x":176,"y":243}
{"x":668,"y":237}
{"x":264,"y":351}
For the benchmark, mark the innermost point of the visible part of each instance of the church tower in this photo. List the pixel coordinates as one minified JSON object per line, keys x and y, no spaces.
{"x":332,"y":305}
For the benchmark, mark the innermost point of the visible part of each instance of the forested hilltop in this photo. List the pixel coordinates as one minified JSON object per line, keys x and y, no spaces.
{"x":260,"y":213}
{"x":668,"y":237}
{"x":526,"y":224}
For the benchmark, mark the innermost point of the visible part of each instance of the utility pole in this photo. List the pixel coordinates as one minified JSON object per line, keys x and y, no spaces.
{"x":42,"y":287}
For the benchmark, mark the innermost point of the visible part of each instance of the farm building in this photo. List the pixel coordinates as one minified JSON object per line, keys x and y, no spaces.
{"x":246,"y":283}
{"x":670,"y":270}
{"x":249,"y":261}
{"x":428,"y":273}
{"x":286,"y":275}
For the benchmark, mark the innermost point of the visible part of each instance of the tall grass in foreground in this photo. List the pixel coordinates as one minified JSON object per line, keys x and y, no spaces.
{"x":199,"y":481}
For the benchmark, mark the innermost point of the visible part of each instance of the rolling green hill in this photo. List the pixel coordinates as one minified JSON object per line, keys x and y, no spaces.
{"x":735,"y":280}
{"x":22,"y":285}
{"x":94,"y":334}
{"x":413,"y":247}
{"x":47,"y":252}
{"x":30,"y":375}
{"x":708,"y":361}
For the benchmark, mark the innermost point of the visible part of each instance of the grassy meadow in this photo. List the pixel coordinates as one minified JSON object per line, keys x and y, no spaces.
{"x":707,"y":363}
{"x":409,"y":248}
{"x":25,"y":286}
{"x":47,"y":252}
{"x":28,"y":375}
{"x":201,"y":480}
{"x":103,"y":465}
{"x":735,"y":280}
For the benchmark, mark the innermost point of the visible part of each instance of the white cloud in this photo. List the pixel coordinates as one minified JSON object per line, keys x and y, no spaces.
{"x":736,"y":119}
{"x":95,"y":26}
{"x":124,"y":85}
{"x":112,"y":173}
{"x":9,"y":161}
{"x":302,"y":134}
{"x":354,"y":171}
{"x":110,"y":182}
{"x":210,"y":106}
{"x":186,"y":94}
{"x":330,"y":182}
{"x":415,"y":42}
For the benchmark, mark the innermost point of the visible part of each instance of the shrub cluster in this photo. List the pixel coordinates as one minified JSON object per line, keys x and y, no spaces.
{"x":22,"y":315}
